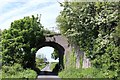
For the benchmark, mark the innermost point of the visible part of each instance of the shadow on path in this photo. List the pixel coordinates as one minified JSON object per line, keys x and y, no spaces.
{"x":48,"y":73}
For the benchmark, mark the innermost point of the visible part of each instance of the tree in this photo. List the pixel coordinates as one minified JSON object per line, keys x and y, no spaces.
{"x":105,"y":50}
{"x":55,"y":54}
{"x":0,"y":49}
{"x":77,"y":23}
{"x":94,"y":27}
{"x":19,"y":42}
{"x":39,"y":61}
{"x":0,"y":34}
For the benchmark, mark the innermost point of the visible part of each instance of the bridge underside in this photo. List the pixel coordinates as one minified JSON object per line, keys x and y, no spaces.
{"x":58,"y":47}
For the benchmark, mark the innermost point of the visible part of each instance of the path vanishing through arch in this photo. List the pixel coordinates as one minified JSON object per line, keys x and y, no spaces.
{"x":47,"y":74}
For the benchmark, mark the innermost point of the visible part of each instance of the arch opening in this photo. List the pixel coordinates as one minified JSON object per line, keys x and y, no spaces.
{"x":46,"y":53}
{"x":51,"y":46}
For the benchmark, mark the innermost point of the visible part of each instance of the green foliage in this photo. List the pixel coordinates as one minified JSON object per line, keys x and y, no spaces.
{"x":106,"y":50}
{"x":52,"y":65}
{"x":19,"y":42}
{"x":40,"y":63}
{"x":81,"y":73}
{"x":48,"y":32}
{"x":16,"y":71}
{"x":39,"y":60}
{"x":55,"y":54}
{"x":0,"y":55}
{"x":0,"y":34}
{"x":78,"y":24}
{"x":71,"y":72}
{"x":70,"y":60}
{"x":95,"y":28}
{"x":0,"y":73}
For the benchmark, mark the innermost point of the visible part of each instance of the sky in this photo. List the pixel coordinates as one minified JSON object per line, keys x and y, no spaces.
{"x":11,"y":10}
{"x":46,"y":51}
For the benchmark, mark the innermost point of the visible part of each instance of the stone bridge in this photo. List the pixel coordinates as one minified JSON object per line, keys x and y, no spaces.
{"x":61,"y":40}
{"x":60,"y":43}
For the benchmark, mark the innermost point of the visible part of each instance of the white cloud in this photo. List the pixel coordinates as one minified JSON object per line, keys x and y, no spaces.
{"x":49,"y":13}
{"x":17,"y":11}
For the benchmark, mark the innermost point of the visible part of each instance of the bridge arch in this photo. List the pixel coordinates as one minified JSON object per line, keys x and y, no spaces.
{"x":61,"y":51}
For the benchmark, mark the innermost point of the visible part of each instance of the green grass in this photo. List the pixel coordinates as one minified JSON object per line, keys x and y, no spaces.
{"x":70,"y":61}
{"x":81,"y":73}
{"x":71,"y":72}
{"x":52,"y":66}
{"x":0,"y":74}
{"x":41,"y":66}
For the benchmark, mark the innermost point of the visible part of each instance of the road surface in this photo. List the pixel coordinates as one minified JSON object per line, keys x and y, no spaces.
{"x":47,"y":68}
{"x":47,"y":74}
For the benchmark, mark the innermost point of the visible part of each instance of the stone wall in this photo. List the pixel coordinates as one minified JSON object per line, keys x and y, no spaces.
{"x":86,"y":62}
{"x":80,"y":55}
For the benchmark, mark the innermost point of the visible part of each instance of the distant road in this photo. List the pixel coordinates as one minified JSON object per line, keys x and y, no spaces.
{"x":47,"y":68}
{"x":47,"y":74}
